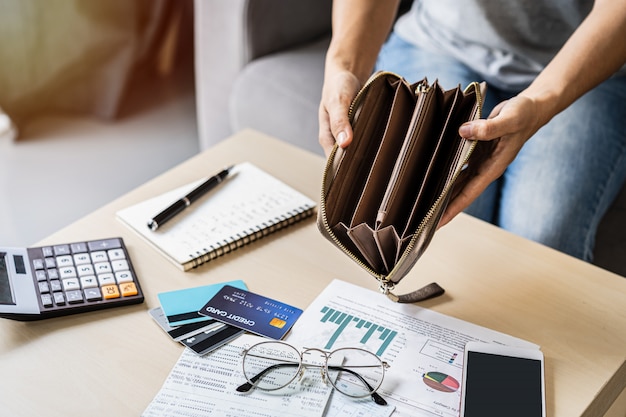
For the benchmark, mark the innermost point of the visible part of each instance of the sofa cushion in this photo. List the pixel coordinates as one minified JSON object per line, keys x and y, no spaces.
{"x":279,"y":94}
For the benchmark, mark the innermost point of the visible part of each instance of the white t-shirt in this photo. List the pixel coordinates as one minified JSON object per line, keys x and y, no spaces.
{"x":508,"y":42}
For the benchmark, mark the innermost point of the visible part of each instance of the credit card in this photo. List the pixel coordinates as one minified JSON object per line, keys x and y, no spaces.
{"x":181,"y":306}
{"x":251,"y":312}
{"x":205,"y":342}
{"x":177,"y":333}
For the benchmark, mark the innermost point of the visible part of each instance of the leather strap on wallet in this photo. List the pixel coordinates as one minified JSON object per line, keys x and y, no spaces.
{"x":383,"y":196}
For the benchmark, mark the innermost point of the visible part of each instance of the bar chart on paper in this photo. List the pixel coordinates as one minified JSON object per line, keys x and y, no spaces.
{"x":343,"y":326}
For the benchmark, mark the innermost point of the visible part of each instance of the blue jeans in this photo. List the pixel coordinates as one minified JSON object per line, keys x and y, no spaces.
{"x":565,"y":177}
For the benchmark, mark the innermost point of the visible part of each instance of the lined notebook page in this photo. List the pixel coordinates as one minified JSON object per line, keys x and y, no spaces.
{"x":247,"y":205}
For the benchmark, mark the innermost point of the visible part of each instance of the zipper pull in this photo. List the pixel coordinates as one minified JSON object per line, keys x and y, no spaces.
{"x":422,"y":87}
{"x":380,"y":218}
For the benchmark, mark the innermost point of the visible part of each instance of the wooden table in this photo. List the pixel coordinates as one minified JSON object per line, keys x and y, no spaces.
{"x":112,"y":363}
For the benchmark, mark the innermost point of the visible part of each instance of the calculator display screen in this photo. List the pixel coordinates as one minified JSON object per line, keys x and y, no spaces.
{"x":6,"y":295}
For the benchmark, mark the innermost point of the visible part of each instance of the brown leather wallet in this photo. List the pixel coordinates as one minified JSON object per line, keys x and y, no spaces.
{"x":383,"y":196}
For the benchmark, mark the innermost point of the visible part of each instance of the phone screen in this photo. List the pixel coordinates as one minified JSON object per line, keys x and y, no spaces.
{"x":498,"y":385}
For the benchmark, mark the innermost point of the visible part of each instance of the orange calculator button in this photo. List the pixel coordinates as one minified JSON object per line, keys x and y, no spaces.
{"x":110,"y":291}
{"x":128,"y":289}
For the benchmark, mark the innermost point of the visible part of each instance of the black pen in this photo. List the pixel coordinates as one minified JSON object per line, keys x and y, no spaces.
{"x":186,"y":201}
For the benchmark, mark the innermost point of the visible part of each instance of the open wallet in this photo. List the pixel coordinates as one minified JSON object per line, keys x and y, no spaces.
{"x":383,"y":196}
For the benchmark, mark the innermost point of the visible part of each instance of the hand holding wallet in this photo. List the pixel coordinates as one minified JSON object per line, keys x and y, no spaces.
{"x":383,"y":196}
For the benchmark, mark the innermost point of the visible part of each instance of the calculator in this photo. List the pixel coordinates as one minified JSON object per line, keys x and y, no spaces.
{"x":57,"y":280}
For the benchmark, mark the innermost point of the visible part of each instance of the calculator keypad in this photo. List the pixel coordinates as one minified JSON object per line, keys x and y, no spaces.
{"x":84,"y":276}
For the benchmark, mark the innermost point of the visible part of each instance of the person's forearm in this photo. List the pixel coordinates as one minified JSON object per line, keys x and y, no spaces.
{"x":360,"y":27}
{"x":592,"y":54}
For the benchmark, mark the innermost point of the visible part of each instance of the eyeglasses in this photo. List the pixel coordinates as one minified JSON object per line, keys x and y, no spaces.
{"x":273,"y":365}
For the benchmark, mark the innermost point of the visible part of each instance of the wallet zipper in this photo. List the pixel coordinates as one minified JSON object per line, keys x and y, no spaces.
{"x":386,"y":285}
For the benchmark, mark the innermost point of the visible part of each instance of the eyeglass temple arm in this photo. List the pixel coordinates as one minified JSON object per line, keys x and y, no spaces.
{"x":247,"y":386}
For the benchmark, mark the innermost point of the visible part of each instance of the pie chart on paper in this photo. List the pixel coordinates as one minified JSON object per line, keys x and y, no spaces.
{"x":440,"y":381}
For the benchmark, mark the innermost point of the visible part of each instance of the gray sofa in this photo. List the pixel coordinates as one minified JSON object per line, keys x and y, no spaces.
{"x":259,"y":64}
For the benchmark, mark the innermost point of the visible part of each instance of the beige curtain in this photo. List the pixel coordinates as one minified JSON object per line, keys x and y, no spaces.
{"x":74,"y":56}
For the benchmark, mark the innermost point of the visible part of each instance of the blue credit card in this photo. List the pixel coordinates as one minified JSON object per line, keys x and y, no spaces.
{"x":252,"y":312}
{"x":181,"y":306}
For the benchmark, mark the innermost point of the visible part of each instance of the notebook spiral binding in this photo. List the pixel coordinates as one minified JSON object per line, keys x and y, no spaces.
{"x":239,"y":240}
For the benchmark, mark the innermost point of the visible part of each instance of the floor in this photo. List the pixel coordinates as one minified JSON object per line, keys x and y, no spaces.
{"x":62,"y":168}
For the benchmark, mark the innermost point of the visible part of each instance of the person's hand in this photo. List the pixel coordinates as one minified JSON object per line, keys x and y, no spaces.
{"x":338,"y":91}
{"x":513,"y":122}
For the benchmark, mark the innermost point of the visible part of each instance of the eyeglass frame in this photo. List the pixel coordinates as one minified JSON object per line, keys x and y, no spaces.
{"x":251,"y":382}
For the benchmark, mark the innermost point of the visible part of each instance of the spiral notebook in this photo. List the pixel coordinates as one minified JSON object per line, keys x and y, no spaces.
{"x":248,"y":205}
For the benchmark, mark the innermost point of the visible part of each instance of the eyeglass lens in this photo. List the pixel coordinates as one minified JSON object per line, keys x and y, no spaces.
{"x":271,"y":366}
{"x":360,"y":373}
